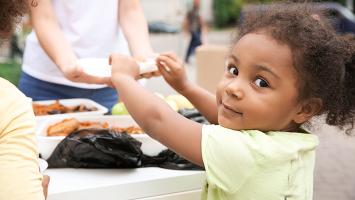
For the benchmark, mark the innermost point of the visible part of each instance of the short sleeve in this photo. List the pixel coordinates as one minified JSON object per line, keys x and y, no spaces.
{"x":19,"y":173}
{"x":227,"y":157}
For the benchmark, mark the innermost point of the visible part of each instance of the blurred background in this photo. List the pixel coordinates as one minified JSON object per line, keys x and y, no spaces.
{"x":220,"y":15}
{"x":334,"y":178}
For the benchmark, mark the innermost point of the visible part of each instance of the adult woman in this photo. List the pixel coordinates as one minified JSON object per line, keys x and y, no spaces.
{"x":65,"y":31}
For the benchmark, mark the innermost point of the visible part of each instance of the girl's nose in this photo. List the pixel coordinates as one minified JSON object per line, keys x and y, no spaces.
{"x":234,"y":89}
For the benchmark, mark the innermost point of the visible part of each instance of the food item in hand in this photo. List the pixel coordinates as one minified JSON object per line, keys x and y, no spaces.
{"x":96,"y":66}
{"x":147,"y":65}
{"x":63,"y":128}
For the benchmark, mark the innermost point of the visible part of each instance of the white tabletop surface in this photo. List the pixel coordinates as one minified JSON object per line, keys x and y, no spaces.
{"x":107,"y":184}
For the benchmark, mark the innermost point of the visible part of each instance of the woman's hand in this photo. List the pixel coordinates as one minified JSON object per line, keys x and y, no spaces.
{"x":76,"y":73}
{"x":173,"y":71}
{"x":123,"y":67}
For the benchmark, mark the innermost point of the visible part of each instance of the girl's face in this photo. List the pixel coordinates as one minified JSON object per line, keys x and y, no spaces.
{"x":259,"y":86}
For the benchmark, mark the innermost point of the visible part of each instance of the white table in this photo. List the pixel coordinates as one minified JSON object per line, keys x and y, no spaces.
{"x":116,"y":184}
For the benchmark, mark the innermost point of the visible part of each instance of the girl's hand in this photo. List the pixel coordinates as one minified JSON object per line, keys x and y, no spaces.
{"x":123,"y":67}
{"x":173,"y":71}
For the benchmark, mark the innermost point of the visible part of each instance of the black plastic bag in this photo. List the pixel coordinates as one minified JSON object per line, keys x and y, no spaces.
{"x":97,"y":148}
{"x":194,"y":115}
{"x":169,"y":160}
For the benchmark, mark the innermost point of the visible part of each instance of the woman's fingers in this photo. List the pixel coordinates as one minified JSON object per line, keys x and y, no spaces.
{"x":100,"y":80}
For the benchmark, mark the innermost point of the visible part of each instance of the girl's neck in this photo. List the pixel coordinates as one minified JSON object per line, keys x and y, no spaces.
{"x":294,"y":128}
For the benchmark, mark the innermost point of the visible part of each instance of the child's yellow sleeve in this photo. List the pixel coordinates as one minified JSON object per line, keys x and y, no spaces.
{"x":19,"y":173}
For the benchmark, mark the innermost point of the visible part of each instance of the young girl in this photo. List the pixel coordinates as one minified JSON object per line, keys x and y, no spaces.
{"x":285,"y":67}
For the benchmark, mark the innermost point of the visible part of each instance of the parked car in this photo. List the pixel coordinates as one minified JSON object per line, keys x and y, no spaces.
{"x":341,"y":18}
{"x":162,"y":27}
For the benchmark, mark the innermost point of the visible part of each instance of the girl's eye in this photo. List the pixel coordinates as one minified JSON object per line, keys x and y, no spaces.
{"x":233,"y":70}
{"x":261,"y":83}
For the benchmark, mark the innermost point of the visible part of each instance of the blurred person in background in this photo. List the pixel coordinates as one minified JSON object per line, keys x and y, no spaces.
{"x":65,"y":31}
{"x":19,"y":171}
{"x":15,"y":50}
{"x":195,"y":26}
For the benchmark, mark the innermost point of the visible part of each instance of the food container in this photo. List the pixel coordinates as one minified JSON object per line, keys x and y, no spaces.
{"x":101,"y":110}
{"x":47,"y":144}
{"x":101,"y":67}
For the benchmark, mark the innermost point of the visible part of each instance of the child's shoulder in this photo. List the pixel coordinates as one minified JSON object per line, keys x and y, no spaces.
{"x":9,"y":90}
{"x":260,"y":137}
{"x":263,"y":148}
{"x":10,"y":96}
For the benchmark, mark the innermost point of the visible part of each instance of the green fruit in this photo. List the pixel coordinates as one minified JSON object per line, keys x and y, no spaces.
{"x":119,"y":109}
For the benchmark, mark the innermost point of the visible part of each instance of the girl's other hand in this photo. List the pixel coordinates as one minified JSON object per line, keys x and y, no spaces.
{"x":45,"y":183}
{"x":173,"y":71}
{"x":123,"y":66}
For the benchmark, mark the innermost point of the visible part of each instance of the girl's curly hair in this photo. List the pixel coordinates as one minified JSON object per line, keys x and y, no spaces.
{"x":11,"y":12}
{"x":325,"y":61}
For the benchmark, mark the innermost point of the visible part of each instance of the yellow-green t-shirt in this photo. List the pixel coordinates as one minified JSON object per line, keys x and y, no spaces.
{"x":253,"y":165}
{"x":20,"y":178}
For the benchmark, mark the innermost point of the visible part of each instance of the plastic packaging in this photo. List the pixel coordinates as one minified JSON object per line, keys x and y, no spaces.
{"x":89,"y":148}
{"x":147,"y":66}
{"x":101,"y":67}
{"x":96,"y":66}
{"x":194,"y":115}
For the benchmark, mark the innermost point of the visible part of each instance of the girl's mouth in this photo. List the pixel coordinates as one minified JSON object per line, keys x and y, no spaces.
{"x":230,"y":109}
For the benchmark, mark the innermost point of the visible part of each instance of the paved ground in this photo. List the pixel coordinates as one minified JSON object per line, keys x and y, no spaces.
{"x":334,"y":173}
{"x":335,"y":164}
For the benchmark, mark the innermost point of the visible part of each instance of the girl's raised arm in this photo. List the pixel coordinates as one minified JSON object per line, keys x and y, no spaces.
{"x":153,"y":114}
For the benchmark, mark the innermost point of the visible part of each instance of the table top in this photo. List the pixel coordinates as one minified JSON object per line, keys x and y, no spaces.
{"x":69,"y":183}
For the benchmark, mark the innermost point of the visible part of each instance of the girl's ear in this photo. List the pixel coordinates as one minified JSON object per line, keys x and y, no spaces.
{"x":307,"y":110}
